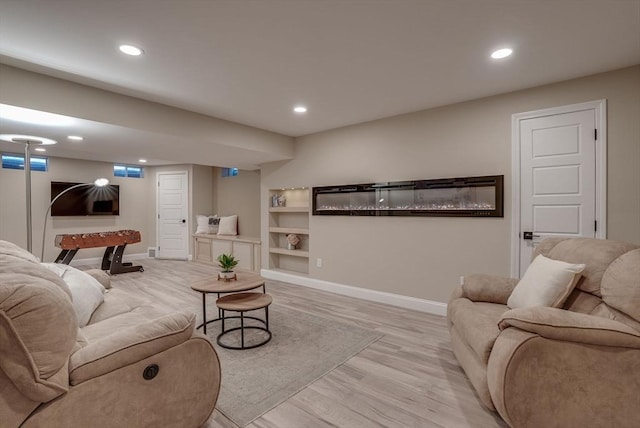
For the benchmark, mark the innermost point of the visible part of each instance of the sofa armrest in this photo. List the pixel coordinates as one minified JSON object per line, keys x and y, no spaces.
{"x":488,"y":288}
{"x":560,"y":324}
{"x":130,"y":345}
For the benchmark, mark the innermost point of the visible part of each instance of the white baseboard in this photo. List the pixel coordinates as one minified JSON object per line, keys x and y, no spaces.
{"x":98,"y":260}
{"x":407,"y":302}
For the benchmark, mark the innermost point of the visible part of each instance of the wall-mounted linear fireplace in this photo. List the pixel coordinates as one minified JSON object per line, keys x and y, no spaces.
{"x":449,"y":197}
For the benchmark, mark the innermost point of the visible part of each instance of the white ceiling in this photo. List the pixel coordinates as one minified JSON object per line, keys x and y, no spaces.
{"x":348,"y":61}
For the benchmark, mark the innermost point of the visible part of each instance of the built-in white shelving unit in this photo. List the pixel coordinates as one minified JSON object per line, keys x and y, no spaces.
{"x":289,"y":213}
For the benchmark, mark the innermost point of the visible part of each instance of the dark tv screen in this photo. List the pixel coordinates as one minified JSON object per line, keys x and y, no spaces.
{"x":85,"y":200}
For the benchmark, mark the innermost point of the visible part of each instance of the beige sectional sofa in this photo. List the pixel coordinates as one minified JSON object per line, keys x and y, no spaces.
{"x":574,"y":366}
{"x":131,"y":365}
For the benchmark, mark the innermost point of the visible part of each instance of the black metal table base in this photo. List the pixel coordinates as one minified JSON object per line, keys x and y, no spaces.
{"x":204,"y":310}
{"x":242,"y":329}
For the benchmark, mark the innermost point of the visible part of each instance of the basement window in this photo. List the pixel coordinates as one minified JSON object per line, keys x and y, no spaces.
{"x":11,"y":161}
{"x":229,"y":172}
{"x":130,"y":171}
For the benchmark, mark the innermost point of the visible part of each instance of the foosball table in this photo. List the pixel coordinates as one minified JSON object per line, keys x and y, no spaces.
{"x":115,"y":242}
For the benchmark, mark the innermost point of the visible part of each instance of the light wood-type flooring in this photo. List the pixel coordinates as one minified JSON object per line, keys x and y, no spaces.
{"x":408,"y":378}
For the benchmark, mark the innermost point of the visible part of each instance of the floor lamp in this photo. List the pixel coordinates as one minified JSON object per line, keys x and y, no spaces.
{"x":99,"y":182}
{"x":28,"y":141}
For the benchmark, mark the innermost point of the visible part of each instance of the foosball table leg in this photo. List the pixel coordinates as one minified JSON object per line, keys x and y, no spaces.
{"x":106,"y":259}
{"x":66,"y":256}
{"x":116,"y":265}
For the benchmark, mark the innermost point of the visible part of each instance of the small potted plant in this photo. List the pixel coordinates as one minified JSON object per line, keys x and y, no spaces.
{"x":227,"y":262}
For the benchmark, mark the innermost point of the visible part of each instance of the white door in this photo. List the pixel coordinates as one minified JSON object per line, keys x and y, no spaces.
{"x":173,"y":225}
{"x":559,"y":184}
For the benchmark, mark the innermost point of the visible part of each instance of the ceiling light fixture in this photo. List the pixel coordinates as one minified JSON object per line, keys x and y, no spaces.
{"x":31,"y":139}
{"x":75,"y":137}
{"x":36,"y":117}
{"x":501,"y":53}
{"x":40,"y":149}
{"x":130,"y":50}
{"x":300,"y":109}
{"x":142,"y":160}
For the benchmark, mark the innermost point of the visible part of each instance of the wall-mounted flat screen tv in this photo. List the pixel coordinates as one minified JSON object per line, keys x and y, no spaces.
{"x":85,"y":200}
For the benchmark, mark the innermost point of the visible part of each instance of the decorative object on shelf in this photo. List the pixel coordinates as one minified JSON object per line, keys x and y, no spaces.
{"x":449,"y":197}
{"x":227,"y":262}
{"x":292,"y":241}
{"x":278,"y":201}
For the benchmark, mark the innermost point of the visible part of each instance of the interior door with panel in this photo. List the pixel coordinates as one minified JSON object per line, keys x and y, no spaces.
{"x":557,"y":179}
{"x":173,"y":208}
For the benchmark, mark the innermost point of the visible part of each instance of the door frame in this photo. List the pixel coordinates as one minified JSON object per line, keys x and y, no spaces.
{"x":157,"y":214}
{"x":600,"y":107}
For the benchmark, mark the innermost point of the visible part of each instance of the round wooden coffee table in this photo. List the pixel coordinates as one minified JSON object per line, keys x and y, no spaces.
{"x":245,"y":281}
{"x":244,"y":302}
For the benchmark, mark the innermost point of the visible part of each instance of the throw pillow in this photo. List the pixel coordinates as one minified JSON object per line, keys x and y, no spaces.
{"x":207,"y":224}
{"x":86,"y":292}
{"x":546,"y":282}
{"x":228,"y":225}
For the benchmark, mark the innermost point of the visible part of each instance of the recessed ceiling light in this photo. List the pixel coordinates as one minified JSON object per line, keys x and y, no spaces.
{"x":32,"y":139}
{"x":501,"y":53}
{"x":130,"y":50}
{"x":75,"y":137}
{"x":142,"y":160}
{"x":26,"y":115}
{"x":40,"y":149}
{"x":300,"y":109}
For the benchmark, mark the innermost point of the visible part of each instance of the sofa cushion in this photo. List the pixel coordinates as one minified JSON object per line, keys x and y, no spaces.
{"x":620,"y":286}
{"x":38,"y":328}
{"x":596,"y":254}
{"x":86,"y":292}
{"x":546,"y":283}
{"x":129,"y":345}
{"x":477,"y":323}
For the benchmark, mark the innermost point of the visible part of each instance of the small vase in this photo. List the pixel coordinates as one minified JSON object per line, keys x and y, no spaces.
{"x":290,"y":246}
{"x":227,"y":275}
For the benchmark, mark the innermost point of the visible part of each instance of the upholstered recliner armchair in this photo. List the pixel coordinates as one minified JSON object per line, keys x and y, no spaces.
{"x":131,"y":365}
{"x":573,"y":366}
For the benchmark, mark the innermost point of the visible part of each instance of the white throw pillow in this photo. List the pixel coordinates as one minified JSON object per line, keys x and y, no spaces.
{"x":207,"y":224}
{"x":228,"y":225}
{"x":86,"y":292}
{"x":546,"y":282}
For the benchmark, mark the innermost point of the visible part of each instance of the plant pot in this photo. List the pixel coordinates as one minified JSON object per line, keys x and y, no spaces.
{"x":227,"y":275}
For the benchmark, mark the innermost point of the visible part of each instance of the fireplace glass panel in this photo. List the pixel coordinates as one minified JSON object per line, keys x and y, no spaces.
{"x":467,"y":197}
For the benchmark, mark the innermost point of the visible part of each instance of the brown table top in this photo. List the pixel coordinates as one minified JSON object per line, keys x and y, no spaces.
{"x":243,"y":302}
{"x":245,"y":281}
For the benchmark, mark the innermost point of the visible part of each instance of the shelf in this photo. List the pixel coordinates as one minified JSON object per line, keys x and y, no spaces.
{"x":294,"y":253}
{"x":289,"y":209}
{"x":296,"y":230}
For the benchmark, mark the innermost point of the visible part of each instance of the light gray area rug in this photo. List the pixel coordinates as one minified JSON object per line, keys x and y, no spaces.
{"x":304,"y":347}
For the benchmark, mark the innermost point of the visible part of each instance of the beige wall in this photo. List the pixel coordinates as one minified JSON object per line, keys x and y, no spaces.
{"x":134,"y":200}
{"x":424,"y":257}
{"x":239,"y":195}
